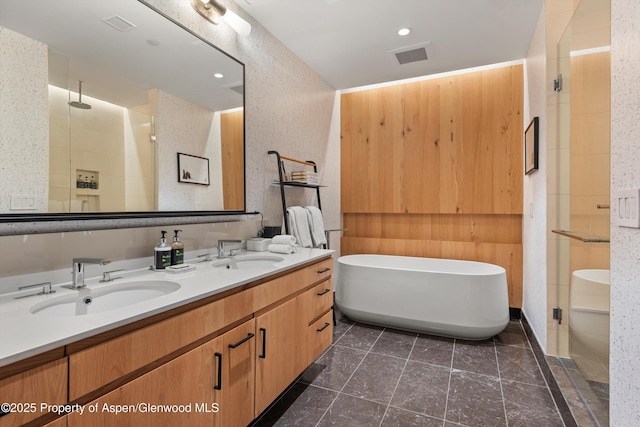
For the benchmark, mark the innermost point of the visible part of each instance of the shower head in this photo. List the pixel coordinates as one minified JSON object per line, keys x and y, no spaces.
{"x":79,"y":103}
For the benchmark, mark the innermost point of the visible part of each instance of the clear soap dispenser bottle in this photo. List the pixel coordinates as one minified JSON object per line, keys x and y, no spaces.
{"x":162,"y":254}
{"x":177,"y":250}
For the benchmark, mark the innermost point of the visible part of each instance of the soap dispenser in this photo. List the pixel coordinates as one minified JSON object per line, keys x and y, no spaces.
{"x":177,"y":250}
{"x":162,"y":254}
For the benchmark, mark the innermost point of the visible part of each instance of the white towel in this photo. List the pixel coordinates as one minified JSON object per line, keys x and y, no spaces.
{"x":283,"y":239}
{"x":299,"y":225}
{"x":281,"y":248}
{"x":316,"y":226}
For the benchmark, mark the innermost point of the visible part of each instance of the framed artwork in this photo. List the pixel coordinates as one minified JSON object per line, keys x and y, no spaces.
{"x":193,"y":169}
{"x":531,"y":147}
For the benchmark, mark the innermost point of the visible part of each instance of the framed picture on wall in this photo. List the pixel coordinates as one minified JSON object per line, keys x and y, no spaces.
{"x":531,"y":147}
{"x":193,"y":169}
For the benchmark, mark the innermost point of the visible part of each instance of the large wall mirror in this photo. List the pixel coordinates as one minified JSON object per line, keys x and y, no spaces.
{"x":109,"y":107}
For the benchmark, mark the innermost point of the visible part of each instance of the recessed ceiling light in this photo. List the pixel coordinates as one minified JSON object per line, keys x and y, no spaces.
{"x":404,"y":31}
{"x":218,"y":75}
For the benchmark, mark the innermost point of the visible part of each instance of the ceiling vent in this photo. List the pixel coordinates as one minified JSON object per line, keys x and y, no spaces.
{"x":409,"y":54}
{"x":119,"y":23}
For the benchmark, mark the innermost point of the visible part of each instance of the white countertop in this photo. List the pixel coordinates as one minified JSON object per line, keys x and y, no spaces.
{"x":24,"y":334}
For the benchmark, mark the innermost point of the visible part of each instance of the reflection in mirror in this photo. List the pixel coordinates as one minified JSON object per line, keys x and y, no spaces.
{"x":583,"y":125}
{"x":149,"y":90}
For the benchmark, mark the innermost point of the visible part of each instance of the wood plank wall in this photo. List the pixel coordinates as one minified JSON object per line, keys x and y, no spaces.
{"x":232,"y":148}
{"x":435,"y":169}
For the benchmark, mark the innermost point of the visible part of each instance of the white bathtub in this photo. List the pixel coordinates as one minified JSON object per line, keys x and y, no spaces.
{"x":460,"y":299}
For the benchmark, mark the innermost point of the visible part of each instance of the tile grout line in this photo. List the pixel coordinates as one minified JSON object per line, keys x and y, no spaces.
{"x":446,"y":402}
{"x":298,"y":379}
{"x":350,"y":376}
{"x":504,"y":401}
{"x":544,"y":377}
{"x":406,"y":362}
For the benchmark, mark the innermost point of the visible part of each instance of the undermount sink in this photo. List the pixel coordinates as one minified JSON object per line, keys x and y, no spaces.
{"x":248,"y":262}
{"x":110,"y":297}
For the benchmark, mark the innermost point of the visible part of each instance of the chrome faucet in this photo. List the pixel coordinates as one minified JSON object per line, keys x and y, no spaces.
{"x":78,"y":270}
{"x":221,"y":243}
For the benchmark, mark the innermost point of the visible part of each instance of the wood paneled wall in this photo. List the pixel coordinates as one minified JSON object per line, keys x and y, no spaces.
{"x":434,"y":168}
{"x":232,"y":136}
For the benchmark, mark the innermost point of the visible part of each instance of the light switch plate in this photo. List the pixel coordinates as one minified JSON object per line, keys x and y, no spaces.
{"x":23,"y":202}
{"x":628,"y":208}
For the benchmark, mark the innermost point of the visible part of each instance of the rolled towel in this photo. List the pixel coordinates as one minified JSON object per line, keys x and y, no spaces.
{"x":283,"y":239}
{"x":281,"y":249}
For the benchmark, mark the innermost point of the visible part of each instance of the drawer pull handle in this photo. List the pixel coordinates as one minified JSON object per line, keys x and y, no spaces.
{"x":218,"y":386}
{"x":264,"y":344}
{"x":324,"y":270}
{"x":324,"y":292}
{"x":326,"y":325}
{"x":242,"y":341}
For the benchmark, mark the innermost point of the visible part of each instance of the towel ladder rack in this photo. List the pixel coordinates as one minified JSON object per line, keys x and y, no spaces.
{"x":282,"y":182}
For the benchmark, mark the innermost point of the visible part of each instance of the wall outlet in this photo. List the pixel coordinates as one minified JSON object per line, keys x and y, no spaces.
{"x":628,"y":208}
{"x":22,"y":202}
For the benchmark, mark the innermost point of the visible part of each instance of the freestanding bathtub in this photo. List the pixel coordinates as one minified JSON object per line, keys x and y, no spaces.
{"x":452,"y":298}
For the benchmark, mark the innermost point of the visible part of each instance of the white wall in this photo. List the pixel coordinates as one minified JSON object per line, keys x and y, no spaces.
{"x":184,"y":127}
{"x":534,"y":220}
{"x":288,"y":108}
{"x":625,"y":242}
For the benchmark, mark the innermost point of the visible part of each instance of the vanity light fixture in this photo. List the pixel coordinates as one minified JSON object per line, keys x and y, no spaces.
{"x":214,"y":10}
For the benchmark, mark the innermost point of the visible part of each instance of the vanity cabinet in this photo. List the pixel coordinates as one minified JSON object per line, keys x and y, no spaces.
{"x":317,"y":303}
{"x":60,"y":422}
{"x":293,"y":334}
{"x":27,"y":390}
{"x":208,"y":385}
{"x":280,"y":358}
{"x":219,"y":361}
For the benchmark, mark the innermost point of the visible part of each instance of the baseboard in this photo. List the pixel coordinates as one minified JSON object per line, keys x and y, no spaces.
{"x":556,"y":393}
{"x":515,"y":313}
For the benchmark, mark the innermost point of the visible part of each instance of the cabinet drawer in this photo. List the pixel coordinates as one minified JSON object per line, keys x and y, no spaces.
{"x":317,"y":300}
{"x":319,"y":336}
{"x":277,"y":289}
{"x":320,"y":271}
{"x":45,"y":384}
{"x":99,"y":365}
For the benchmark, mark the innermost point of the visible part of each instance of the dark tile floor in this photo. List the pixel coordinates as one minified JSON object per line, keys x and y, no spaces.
{"x":373,"y":376}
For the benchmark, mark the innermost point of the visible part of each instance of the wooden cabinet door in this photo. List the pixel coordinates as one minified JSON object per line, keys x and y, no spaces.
{"x":60,"y":422}
{"x":27,"y":390}
{"x":182,"y":389}
{"x":210,"y":385}
{"x":280,"y":351}
{"x":319,"y":336}
{"x":235,"y":384}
